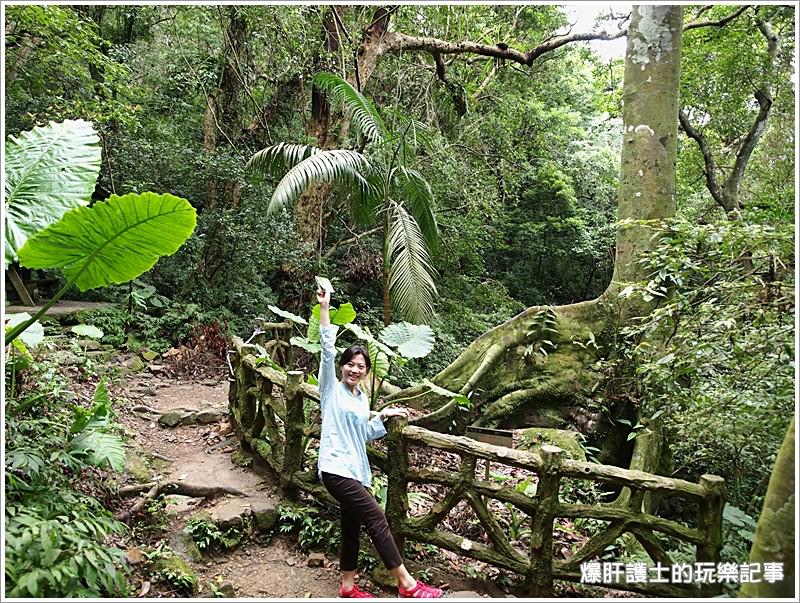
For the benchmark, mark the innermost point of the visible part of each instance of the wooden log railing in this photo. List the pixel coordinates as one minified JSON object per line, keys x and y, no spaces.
{"x":269,"y":410}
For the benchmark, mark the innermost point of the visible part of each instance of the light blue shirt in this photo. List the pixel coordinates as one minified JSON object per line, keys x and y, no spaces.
{"x":346,"y":426}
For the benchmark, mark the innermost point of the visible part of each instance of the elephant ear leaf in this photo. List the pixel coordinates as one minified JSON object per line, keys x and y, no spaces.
{"x":412,"y":341}
{"x":378,"y":360}
{"x":113,"y":241}
{"x":49,"y":170}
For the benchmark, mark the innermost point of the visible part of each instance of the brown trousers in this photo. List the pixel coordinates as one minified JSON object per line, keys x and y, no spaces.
{"x":360,"y":507}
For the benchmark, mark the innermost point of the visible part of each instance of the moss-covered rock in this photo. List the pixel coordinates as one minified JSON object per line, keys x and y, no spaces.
{"x":148,"y":354}
{"x":134,"y":364}
{"x":535,"y":437}
{"x":383,"y":577}
{"x":183,"y":544}
{"x":136,"y":466}
{"x":177,"y":573}
{"x":265,"y":516}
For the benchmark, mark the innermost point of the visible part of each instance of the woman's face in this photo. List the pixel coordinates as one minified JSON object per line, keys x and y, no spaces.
{"x":354,"y":370}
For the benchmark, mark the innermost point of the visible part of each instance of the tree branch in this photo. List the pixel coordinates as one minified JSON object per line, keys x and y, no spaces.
{"x":195,"y":491}
{"x":708,"y":159}
{"x":397,"y":41}
{"x":352,"y":239}
{"x":728,"y":195}
{"x":718,"y":23}
{"x":764,"y":97}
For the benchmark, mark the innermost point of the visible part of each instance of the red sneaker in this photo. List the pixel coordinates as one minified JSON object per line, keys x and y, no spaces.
{"x":421,"y":591}
{"x":355,"y":593}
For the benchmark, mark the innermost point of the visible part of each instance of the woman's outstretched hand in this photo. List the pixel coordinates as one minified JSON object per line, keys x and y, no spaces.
{"x":324,"y":299}
{"x":393,"y":412}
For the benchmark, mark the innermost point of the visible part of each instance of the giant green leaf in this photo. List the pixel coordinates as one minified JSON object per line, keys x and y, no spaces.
{"x":308,"y":346}
{"x":33,"y":335}
{"x":412,"y":341}
{"x":365,"y":335}
{"x":378,"y":360}
{"x":286,"y":314}
{"x":341,"y":316}
{"x":312,"y":333}
{"x":49,"y":170}
{"x":113,"y":241}
{"x":90,"y":331}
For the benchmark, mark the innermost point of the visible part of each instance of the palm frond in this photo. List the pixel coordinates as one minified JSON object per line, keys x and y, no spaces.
{"x":338,"y":165}
{"x":361,"y":109}
{"x":411,"y":274}
{"x":365,"y":203}
{"x":410,"y":132}
{"x":418,"y":197}
{"x":275,"y":160}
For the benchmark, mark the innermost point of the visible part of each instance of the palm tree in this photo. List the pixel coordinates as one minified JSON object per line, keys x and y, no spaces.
{"x":379,"y":187}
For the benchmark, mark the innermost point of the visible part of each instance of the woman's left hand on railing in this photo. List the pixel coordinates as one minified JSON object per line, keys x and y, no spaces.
{"x":393,"y":412}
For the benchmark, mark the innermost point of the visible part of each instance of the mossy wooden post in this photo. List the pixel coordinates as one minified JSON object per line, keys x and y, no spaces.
{"x":293,"y":446}
{"x":540,"y":573}
{"x":397,"y":483}
{"x":709,"y":521}
{"x":240,"y":382}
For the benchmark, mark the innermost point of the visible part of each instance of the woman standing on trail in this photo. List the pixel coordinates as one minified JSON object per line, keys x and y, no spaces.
{"x":343,"y":464}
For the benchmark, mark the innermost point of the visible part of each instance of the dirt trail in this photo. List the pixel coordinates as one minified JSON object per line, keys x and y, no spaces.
{"x":201,"y":455}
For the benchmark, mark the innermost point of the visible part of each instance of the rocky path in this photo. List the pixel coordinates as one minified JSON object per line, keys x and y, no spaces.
{"x":178,"y":433}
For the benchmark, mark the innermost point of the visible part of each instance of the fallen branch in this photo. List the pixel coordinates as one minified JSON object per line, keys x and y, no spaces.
{"x":161,"y":457}
{"x":156,"y":489}
{"x":143,"y":408}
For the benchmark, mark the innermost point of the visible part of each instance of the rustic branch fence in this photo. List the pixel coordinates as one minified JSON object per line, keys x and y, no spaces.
{"x":271,"y":410}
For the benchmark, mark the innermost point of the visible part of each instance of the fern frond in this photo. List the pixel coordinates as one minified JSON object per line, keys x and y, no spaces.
{"x":366,"y":203}
{"x":100,"y":448}
{"x":411,"y":276}
{"x":360,"y":108}
{"x":414,"y":133}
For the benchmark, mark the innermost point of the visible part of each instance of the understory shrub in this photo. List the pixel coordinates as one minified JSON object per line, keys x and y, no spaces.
{"x":715,"y":358}
{"x":59,"y":538}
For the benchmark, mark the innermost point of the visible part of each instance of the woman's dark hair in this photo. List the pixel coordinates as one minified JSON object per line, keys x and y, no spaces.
{"x":355,"y":350}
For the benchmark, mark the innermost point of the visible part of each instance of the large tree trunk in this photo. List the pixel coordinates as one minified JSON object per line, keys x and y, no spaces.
{"x":513,"y":388}
{"x":774,"y":542}
{"x":222,"y":118}
{"x":309,"y":210}
{"x":222,"y":126}
{"x":330,"y":130}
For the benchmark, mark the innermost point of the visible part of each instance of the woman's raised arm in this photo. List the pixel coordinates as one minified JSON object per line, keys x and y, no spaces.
{"x":324,"y":299}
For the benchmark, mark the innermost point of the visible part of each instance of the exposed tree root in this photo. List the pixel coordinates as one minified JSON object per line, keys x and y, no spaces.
{"x":155,"y":489}
{"x":161,"y":457}
{"x":505,"y":380}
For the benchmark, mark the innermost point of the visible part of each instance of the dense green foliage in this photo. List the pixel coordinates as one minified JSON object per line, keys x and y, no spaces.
{"x":716,"y":357}
{"x":57,"y":531}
